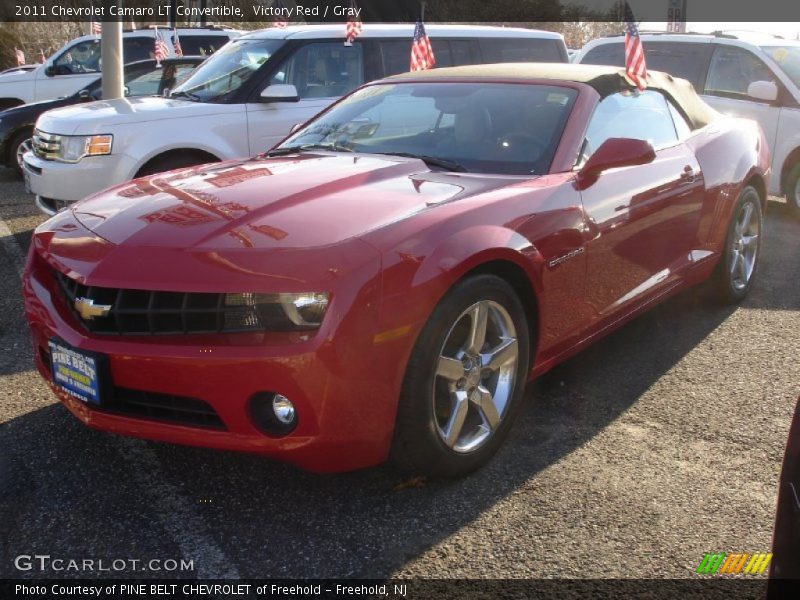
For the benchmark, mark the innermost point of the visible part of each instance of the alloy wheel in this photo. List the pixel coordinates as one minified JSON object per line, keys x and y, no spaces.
{"x":475,"y":374}
{"x":744,"y":245}
{"x":22,"y":148}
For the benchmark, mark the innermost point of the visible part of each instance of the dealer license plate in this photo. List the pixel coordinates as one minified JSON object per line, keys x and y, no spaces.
{"x":76,"y":372}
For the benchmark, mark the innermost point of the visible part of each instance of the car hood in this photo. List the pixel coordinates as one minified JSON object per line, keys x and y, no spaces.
{"x":86,"y":118}
{"x":300,"y":201}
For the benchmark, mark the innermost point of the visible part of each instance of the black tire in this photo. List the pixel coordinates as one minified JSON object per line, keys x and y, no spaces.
{"x":793,"y":190}
{"x":170,"y":162}
{"x":731,"y":283}
{"x":17,"y":142}
{"x":419,"y":445}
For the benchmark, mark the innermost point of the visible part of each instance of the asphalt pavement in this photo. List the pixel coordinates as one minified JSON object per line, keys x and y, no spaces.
{"x":658,"y":444}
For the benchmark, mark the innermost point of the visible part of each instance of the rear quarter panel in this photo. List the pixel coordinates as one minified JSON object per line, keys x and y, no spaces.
{"x":731,"y":153}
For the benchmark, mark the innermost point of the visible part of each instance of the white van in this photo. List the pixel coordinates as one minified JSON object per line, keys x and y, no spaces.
{"x":744,"y":74}
{"x":77,"y":63}
{"x":244,"y":100}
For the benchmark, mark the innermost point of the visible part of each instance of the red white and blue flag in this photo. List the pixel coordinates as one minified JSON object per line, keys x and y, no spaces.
{"x":353,"y":24}
{"x":176,"y":43}
{"x":20,"y":56}
{"x":279,"y":12}
{"x":422,"y":57}
{"x":160,"y":51}
{"x":635,"y":67}
{"x":96,"y":28}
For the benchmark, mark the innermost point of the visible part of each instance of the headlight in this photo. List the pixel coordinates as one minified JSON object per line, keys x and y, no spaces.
{"x":276,"y":312}
{"x":75,"y":147}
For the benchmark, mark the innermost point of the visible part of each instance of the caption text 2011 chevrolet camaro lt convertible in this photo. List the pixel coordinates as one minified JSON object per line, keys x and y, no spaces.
{"x":385,"y":282}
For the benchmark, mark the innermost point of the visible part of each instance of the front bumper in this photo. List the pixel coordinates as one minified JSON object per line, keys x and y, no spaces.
{"x":344,"y":388}
{"x":56,"y":184}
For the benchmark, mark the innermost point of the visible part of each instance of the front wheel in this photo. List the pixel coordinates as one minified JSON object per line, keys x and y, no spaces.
{"x":464,"y":380}
{"x":736,"y":269}
{"x":793,"y":190}
{"x":21,"y":143}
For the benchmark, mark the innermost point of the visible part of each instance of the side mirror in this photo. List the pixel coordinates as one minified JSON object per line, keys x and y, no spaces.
{"x":49,"y":71}
{"x":126,"y":91}
{"x":279,"y":92}
{"x":613,"y":154}
{"x":85,"y":95}
{"x":166,"y":93}
{"x":763,"y":90}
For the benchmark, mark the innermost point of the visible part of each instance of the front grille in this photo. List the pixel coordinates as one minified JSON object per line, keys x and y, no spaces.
{"x":141,"y":312}
{"x":164,"y":407}
{"x":46,"y":145}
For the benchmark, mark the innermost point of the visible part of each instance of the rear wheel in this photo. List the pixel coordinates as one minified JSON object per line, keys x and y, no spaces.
{"x":793,"y":190}
{"x":464,"y":380}
{"x":737,"y":267}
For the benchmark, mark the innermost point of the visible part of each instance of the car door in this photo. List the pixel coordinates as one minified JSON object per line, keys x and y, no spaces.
{"x":731,"y":71}
{"x":77,"y":66}
{"x":322,"y":72}
{"x":642,"y":220}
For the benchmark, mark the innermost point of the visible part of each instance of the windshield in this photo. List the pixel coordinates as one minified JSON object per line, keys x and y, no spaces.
{"x":487,"y":128}
{"x":227,"y":70}
{"x":788,"y":59}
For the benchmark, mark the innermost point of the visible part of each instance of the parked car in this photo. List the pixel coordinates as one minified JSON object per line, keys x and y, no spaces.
{"x":77,"y":63}
{"x":747,"y":75}
{"x":142,"y":78}
{"x":247,"y":97}
{"x":386,"y":280}
{"x":786,"y":539}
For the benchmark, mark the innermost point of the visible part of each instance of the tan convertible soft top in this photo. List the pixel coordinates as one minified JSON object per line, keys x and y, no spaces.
{"x":606,"y":80}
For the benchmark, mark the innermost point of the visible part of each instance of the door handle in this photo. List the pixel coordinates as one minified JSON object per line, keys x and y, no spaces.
{"x":688,"y":175}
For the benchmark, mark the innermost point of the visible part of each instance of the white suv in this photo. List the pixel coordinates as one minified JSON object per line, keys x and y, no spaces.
{"x":746,"y":75}
{"x":243,"y":100}
{"x":77,"y":63}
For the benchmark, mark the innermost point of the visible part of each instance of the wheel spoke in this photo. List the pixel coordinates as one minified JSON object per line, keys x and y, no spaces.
{"x":750,"y":240}
{"x":747,"y":213}
{"x":735,"y":262}
{"x":485,"y":402}
{"x":456,"y":421}
{"x":477,"y":330}
{"x":742,"y":268}
{"x":501,"y":355}
{"x":450,"y":368}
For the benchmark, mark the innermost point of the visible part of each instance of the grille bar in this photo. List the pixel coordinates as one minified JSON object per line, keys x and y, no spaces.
{"x":141,"y":312}
{"x":46,"y":145}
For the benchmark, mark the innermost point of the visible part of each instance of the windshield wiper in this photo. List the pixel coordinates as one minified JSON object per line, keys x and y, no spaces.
{"x":434,"y":161}
{"x":188,"y":95}
{"x":303,"y":147}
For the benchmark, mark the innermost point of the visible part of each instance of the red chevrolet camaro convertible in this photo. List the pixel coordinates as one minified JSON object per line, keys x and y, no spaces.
{"x":385,"y":281}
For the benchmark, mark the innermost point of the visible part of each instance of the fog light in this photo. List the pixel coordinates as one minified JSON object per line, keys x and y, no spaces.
{"x":273,"y":413}
{"x":283,"y":409}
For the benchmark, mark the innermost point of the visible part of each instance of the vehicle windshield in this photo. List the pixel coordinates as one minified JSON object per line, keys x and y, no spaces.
{"x":227,"y":70}
{"x":488,"y":128}
{"x":788,"y":59}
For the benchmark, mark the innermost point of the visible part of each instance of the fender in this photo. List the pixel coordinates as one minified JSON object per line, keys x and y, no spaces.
{"x":175,"y":146}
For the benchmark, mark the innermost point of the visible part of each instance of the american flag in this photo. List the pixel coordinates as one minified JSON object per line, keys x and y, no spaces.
{"x":635,"y":67}
{"x":421,"y":52}
{"x":176,"y":43}
{"x":353,"y":24}
{"x":279,"y":12}
{"x":20,"y":56}
{"x":160,"y":51}
{"x":96,"y":28}
{"x":42,"y":57}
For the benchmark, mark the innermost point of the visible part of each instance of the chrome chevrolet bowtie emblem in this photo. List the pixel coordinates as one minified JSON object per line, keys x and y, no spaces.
{"x":88,"y":310}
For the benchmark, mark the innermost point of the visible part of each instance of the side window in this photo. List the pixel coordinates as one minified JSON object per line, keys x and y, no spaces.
{"x":144,"y":84}
{"x":200,"y":45}
{"x":323,"y":70}
{"x":642,"y":116}
{"x":612,"y":54}
{"x":732,"y":70}
{"x":137,"y":48}
{"x":497,"y":50}
{"x":460,"y":53}
{"x":83,"y":57}
{"x":397,"y":55}
{"x":679,"y":59}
